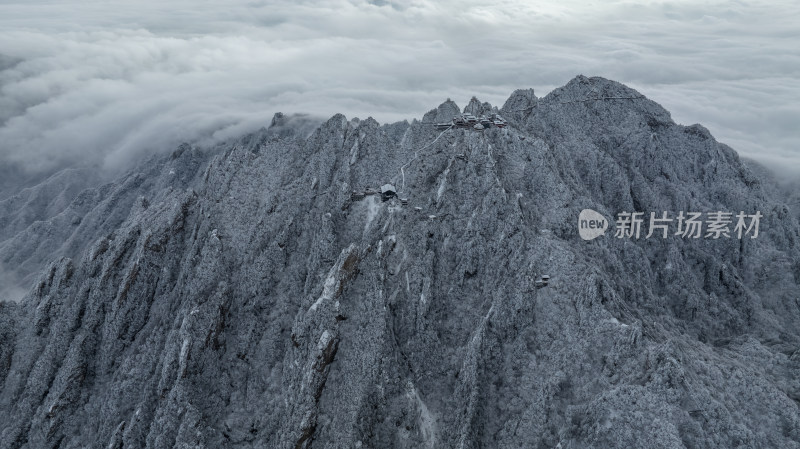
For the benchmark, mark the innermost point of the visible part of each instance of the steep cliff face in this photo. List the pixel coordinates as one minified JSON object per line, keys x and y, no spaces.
{"x":243,"y":297}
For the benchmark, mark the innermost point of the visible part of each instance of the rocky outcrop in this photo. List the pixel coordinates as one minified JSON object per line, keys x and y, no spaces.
{"x":243,"y":297}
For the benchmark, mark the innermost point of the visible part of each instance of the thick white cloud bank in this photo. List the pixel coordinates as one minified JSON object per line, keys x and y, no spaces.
{"x":108,"y":81}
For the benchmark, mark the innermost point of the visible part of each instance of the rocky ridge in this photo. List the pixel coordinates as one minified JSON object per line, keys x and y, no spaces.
{"x":242,"y":297}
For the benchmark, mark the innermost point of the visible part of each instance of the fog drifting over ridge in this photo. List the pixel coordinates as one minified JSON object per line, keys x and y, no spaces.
{"x":110,"y":81}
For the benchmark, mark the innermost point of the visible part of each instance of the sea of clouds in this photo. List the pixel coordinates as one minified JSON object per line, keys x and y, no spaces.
{"x":107,"y":82}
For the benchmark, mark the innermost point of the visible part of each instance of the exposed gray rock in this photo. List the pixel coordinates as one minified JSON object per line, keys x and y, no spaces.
{"x":243,"y":298}
{"x":476,"y":108}
{"x":444,"y":113}
{"x":522,"y":100}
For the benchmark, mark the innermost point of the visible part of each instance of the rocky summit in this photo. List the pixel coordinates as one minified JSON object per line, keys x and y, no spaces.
{"x":267,"y":293}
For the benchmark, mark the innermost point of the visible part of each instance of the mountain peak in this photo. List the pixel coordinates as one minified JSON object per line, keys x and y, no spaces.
{"x":476,"y":108}
{"x":582,"y":87}
{"x":443,"y":113}
{"x":383,"y":286}
{"x":520,"y":100}
{"x":278,"y":119}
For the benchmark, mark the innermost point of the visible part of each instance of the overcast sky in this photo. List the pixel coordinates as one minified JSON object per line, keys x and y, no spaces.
{"x":108,"y":81}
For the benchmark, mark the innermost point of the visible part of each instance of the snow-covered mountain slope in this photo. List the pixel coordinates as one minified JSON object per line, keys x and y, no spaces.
{"x":245,"y":297}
